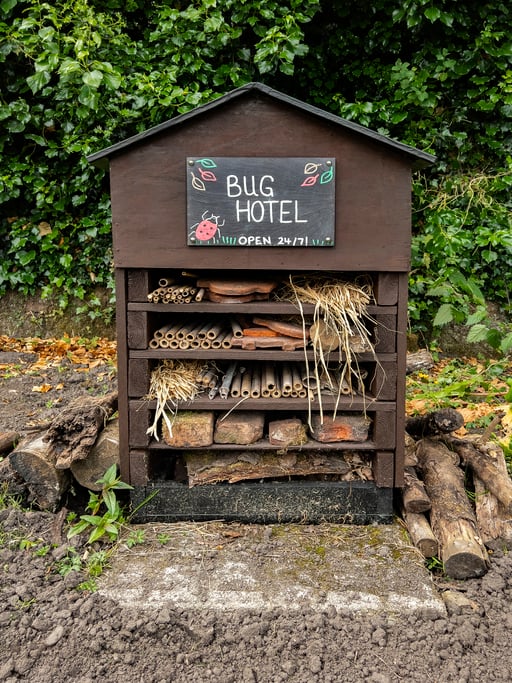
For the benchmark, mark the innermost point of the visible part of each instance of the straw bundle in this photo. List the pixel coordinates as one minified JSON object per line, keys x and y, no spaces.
{"x":340,"y":312}
{"x":171,"y":382}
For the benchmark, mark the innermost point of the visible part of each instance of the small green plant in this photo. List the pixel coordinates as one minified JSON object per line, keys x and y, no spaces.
{"x":106,"y":514}
{"x":136,"y":537}
{"x":97,"y":562}
{"x":163,"y":538}
{"x":434,"y":564}
{"x":69,"y":563}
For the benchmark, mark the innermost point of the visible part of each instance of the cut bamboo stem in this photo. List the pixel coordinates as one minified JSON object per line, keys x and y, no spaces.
{"x":227,"y":379}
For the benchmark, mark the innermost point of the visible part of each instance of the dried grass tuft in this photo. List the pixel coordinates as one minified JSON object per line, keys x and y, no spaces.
{"x":171,"y":382}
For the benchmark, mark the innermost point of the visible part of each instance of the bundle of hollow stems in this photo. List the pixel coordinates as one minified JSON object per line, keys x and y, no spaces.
{"x":171,"y":382}
{"x":340,"y":311}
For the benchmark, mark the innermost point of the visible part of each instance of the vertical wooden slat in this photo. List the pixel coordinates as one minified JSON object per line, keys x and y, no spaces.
{"x":122,"y":374}
{"x":138,"y":330}
{"x":383,"y":469}
{"x":138,"y":285}
{"x":140,"y":467}
{"x":386,"y":288}
{"x":401,"y":348}
{"x":384,"y":429}
{"x":138,"y":377}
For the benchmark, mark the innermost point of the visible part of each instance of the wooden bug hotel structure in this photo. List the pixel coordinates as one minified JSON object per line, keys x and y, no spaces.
{"x":261,"y":249}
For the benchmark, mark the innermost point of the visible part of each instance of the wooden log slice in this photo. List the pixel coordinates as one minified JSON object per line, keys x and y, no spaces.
{"x":32,"y":459}
{"x":237,"y":287}
{"x":103,"y":454}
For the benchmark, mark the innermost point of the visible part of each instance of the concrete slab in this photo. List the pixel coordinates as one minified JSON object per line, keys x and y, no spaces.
{"x":223,"y":567}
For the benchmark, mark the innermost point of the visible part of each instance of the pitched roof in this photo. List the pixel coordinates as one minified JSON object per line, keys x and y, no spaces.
{"x":418,"y":158}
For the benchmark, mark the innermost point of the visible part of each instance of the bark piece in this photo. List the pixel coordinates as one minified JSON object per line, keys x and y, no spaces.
{"x":497,"y":482}
{"x":421,"y":533}
{"x":190,"y":429}
{"x":8,"y":441}
{"x":103,"y":454}
{"x":34,"y":461}
{"x":210,"y":467}
{"x":414,"y":496}
{"x":240,"y":428}
{"x":419,"y":360}
{"x":72,"y":434}
{"x":438,"y":422}
{"x":340,"y":428}
{"x":451,"y":516}
{"x":286,"y":433}
{"x":410,"y":457}
{"x":252,"y":343}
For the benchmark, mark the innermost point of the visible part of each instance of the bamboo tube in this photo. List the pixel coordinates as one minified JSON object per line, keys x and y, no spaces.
{"x":199,"y":295}
{"x":236,"y":385}
{"x":269,"y":377}
{"x":213,"y":391}
{"x":286,"y":379}
{"x":302,"y":393}
{"x":227,"y":379}
{"x":171,"y":334}
{"x":195,"y":343}
{"x":296,"y":378}
{"x":226,"y":342}
{"x":184,"y":331}
{"x":237,"y":329}
{"x":246,"y":384}
{"x":276,"y":393}
{"x":173,"y":344}
{"x":184,"y":344}
{"x":256,"y":382}
{"x":205,"y":344}
{"x":162,"y":331}
{"x":163,"y":343}
{"x":214,"y":331}
{"x":165,"y":282}
{"x":154,"y":343}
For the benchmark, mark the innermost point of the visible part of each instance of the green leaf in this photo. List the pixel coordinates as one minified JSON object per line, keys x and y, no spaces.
{"x":443,"y":316}
{"x":477,"y":333}
{"x":92,"y":78}
{"x":432,"y":13}
{"x":38,"y":80}
{"x":506,"y":345}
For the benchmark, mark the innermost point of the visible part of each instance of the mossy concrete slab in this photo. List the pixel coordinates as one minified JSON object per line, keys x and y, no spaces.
{"x":221,"y":567}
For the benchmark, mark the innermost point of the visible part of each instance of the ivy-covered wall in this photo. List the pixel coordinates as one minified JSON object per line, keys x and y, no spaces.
{"x":79,"y":75}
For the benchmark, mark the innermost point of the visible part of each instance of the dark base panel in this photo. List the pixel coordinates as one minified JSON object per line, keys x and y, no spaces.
{"x":357,"y":502}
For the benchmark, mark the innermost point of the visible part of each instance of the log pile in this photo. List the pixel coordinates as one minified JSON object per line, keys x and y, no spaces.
{"x":78,"y":445}
{"x":457,"y":498}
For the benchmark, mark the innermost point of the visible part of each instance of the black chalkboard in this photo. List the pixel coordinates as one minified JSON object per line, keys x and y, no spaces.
{"x":260,"y":202}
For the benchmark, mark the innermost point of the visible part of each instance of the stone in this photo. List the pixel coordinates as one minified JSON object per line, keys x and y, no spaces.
{"x":189,"y":429}
{"x":343,"y":427}
{"x":240,"y":428}
{"x":284,"y":433}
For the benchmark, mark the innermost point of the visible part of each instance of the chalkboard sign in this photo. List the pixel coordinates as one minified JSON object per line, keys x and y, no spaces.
{"x":260,"y":202}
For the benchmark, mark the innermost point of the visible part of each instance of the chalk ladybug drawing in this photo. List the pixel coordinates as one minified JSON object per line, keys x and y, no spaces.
{"x":207,"y":228}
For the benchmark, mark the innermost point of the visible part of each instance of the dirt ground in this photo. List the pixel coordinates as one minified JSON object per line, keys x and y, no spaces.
{"x":53,"y":632}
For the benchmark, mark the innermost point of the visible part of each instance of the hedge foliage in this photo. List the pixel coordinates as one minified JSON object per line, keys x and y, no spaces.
{"x":79,"y":75}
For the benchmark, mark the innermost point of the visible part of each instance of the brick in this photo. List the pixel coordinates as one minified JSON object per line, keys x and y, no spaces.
{"x":240,"y":428}
{"x":343,"y":428}
{"x":291,"y":432}
{"x":190,"y":429}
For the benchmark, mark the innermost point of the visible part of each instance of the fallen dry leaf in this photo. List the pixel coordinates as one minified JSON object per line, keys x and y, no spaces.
{"x":42,"y":388}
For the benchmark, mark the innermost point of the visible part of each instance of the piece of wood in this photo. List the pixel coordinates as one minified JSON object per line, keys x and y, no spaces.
{"x":210,"y":467}
{"x":252,"y":343}
{"x":421,"y":533}
{"x":419,"y":360}
{"x":233,"y":299}
{"x":496,"y":481}
{"x":451,"y":516}
{"x":34,"y":461}
{"x":414,"y":496}
{"x":189,"y":429}
{"x":345,"y":427}
{"x":240,"y":428}
{"x":72,"y":434}
{"x":441,"y":421}
{"x":237,"y":287}
{"x":410,"y":457}
{"x":8,"y":440}
{"x":494,"y":521}
{"x":259,"y":332}
{"x":102,"y":455}
{"x":282,"y":327}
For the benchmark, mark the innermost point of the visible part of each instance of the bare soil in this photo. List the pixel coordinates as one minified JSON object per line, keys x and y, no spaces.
{"x":53,"y":632}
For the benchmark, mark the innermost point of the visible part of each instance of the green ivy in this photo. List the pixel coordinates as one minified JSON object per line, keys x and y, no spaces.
{"x":79,"y":75}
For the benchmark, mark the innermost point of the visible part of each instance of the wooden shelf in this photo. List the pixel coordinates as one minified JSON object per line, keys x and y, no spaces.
{"x":264,"y":445}
{"x":243,"y":354}
{"x":358,"y":403}
{"x":272,"y":307}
